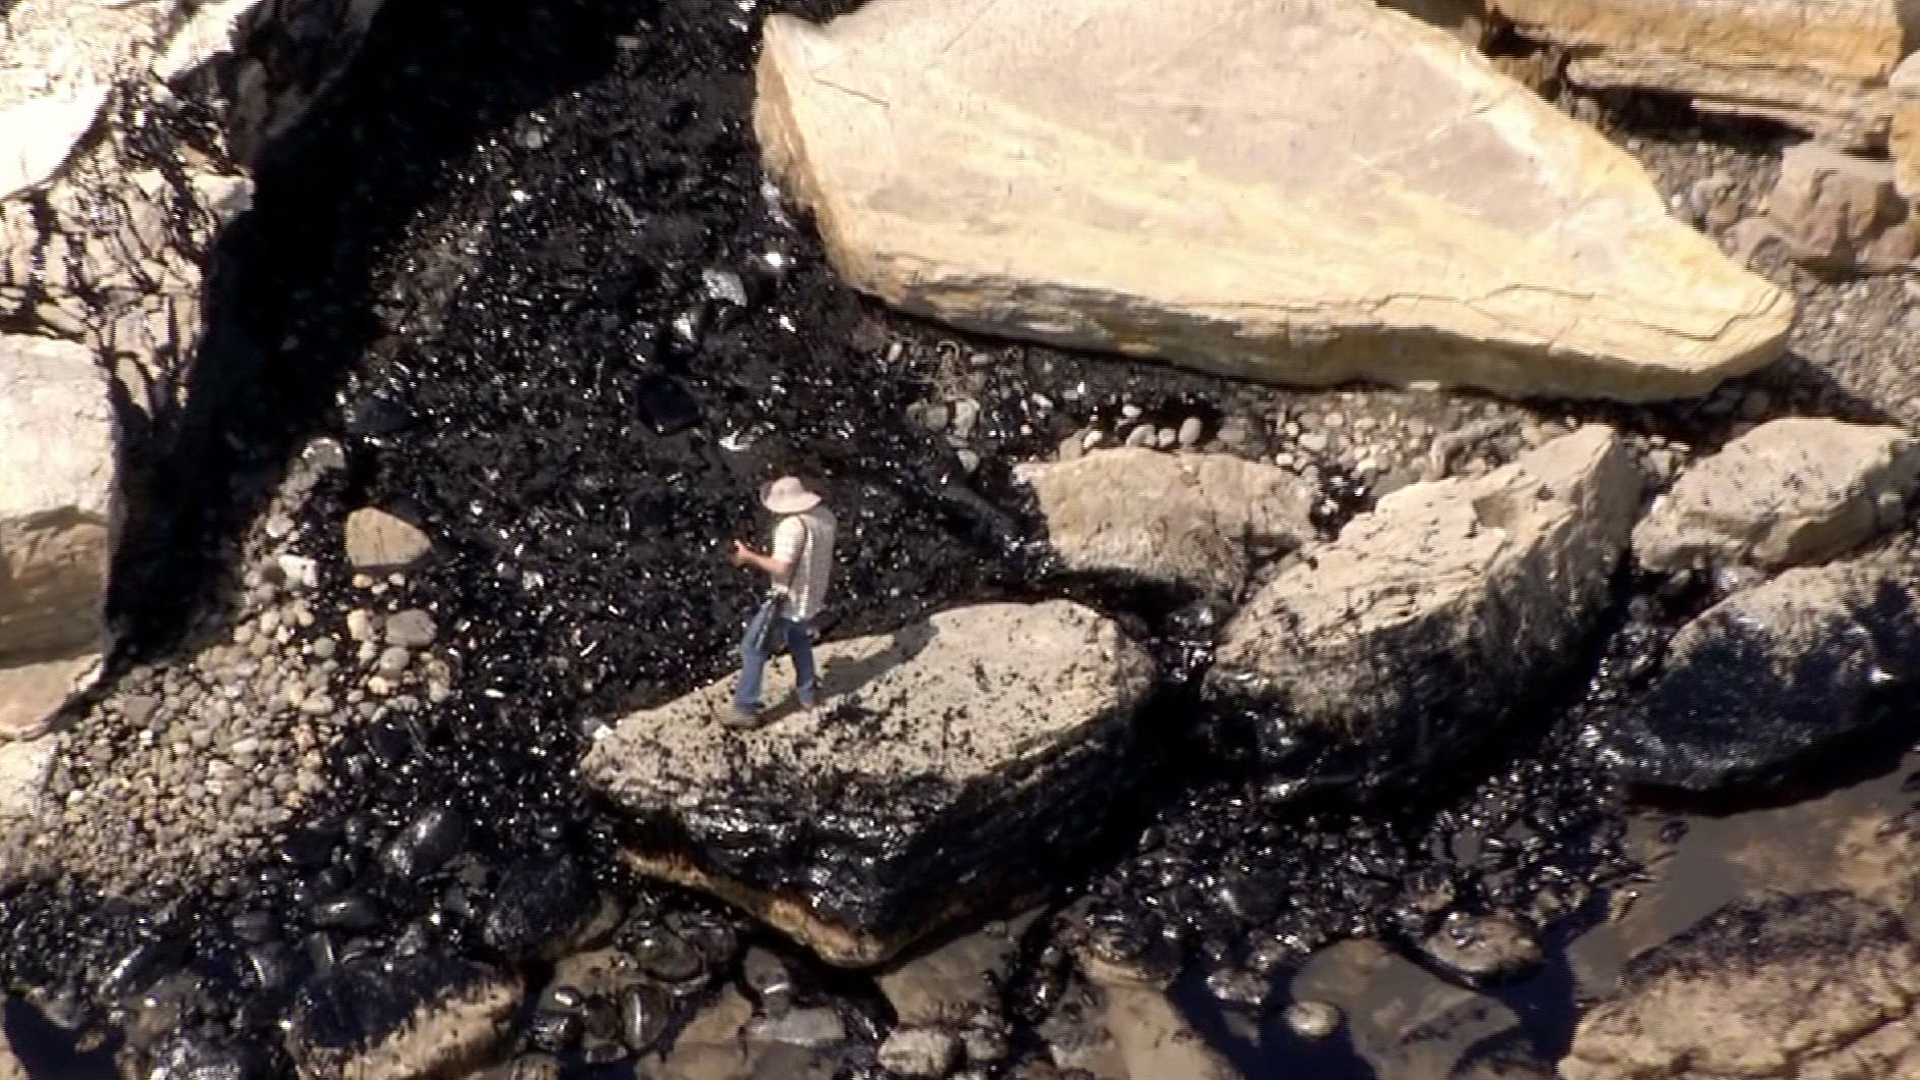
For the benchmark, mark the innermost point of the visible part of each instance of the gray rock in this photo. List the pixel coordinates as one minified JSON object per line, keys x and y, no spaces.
{"x":413,"y":629}
{"x":393,"y":661}
{"x":957,"y":982}
{"x":1192,"y":522}
{"x":1770,"y":675}
{"x":813,"y":1027}
{"x":1484,"y":950}
{"x":920,"y":1052}
{"x":1140,"y":437}
{"x":1840,"y":212}
{"x":1818,"y":986}
{"x":1413,"y":632}
{"x":1403,"y":1021}
{"x":998,"y":720}
{"x":1788,"y":493}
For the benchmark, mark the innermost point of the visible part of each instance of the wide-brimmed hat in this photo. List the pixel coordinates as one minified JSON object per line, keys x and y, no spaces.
{"x":788,"y":495}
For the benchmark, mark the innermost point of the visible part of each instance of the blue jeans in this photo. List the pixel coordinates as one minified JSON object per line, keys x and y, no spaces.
{"x":764,"y":633}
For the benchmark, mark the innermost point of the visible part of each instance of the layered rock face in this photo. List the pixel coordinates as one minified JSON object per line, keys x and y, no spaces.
{"x":1306,"y":222}
{"x":1411,"y":631}
{"x":945,"y":760}
{"x":1769,"y":674}
{"x":1820,"y":65}
{"x":1188,"y":522}
{"x":1818,"y":986}
{"x":58,"y":517}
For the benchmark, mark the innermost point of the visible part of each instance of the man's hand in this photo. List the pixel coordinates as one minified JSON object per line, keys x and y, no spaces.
{"x":742,"y":554}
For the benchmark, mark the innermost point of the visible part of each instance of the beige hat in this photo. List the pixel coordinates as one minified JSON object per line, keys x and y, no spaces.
{"x":788,"y":495}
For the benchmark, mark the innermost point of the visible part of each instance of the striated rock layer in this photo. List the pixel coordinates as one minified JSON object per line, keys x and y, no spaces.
{"x":1146,"y":179}
{"x":946,"y":763}
{"x":1819,"y":65}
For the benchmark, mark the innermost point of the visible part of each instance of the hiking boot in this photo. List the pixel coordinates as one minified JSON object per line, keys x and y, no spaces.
{"x":739,"y":719}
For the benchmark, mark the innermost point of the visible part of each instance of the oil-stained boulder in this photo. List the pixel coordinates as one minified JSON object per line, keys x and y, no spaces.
{"x":1769,"y":675}
{"x":1819,"y":986}
{"x":1150,"y":179}
{"x":1789,"y":492}
{"x":946,"y":764}
{"x":1184,"y":522}
{"x":403,"y":1018}
{"x":59,"y":492}
{"x":1426,"y":619}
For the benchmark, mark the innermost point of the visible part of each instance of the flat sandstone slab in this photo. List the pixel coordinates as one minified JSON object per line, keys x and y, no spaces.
{"x":946,"y":762}
{"x":1299,"y":191}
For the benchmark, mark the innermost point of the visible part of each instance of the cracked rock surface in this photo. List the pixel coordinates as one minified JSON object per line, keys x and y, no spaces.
{"x":1455,"y":229}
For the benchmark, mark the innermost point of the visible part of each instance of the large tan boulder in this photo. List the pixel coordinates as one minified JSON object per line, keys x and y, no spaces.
{"x":1427,"y":618}
{"x":57,"y":522}
{"x":946,"y":763}
{"x":1149,"y":179}
{"x":1185,"y":522}
{"x":1819,"y":65}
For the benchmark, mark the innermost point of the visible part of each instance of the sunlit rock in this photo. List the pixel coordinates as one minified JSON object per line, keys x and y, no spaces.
{"x":1839,"y":212}
{"x":1819,"y":65}
{"x":1428,"y":618}
{"x":948,"y":761}
{"x":1146,"y":179}
{"x":1770,"y":674}
{"x":58,"y":517}
{"x":1818,"y":986}
{"x":1790,"y":492}
{"x":1186,"y":522}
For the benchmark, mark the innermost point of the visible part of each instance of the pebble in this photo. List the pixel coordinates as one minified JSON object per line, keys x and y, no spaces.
{"x":1313,"y":1020}
{"x":1314,"y":442}
{"x":1140,"y":436}
{"x":393,"y":660}
{"x":1092,"y":438}
{"x":1190,"y":433}
{"x":317,"y":705}
{"x":323,"y":648}
{"x":1166,"y":438}
{"x":412,"y":628}
{"x":966,"y":414}
{"x":360,"y":625}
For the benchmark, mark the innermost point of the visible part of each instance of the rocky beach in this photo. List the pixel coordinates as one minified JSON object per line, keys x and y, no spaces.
{"x":1397,"y":564}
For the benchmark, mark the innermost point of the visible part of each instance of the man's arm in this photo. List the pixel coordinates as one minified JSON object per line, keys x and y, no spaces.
{"x":774,"y":568}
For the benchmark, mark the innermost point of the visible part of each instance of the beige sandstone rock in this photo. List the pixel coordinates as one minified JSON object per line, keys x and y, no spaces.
{"x":1903,"y":135}
{"x":1147,"y":179}
{"x":1439,"y":607}
{"x":57,"y":521}
{"x":994,"y":719}
{"x":1819,"y":986}
{"x":377,"y":541}
{"x":1840,"y":212}
{"x":1190,"y":521}
{"x":1820,"y":65}
{"x":1788,"y":493}
{"x":1126,"y":1029}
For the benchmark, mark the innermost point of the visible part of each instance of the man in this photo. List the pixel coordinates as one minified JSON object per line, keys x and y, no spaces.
{"x":798,"y":571}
